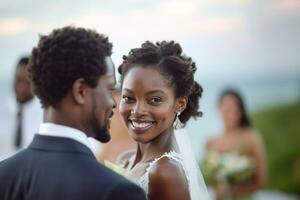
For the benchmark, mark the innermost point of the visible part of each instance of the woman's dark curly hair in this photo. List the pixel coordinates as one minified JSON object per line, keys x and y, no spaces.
{"x":62,"y":57}
{"x":244,"y":121}
{"x":178,"y":69}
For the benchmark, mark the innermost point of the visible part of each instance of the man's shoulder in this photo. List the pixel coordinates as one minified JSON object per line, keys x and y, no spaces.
{"x":14,"y":157}
{"x":100,"y":179}
{"x":13,"y":163}
{"x":126,"y":191}
{"x":86,"y":174}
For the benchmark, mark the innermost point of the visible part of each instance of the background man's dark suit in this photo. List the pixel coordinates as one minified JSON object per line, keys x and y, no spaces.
{"x":56,"y":168}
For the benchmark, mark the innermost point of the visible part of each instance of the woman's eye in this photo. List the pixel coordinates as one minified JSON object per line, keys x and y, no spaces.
{"x":127,"y":99}
{"x":155,"y":100}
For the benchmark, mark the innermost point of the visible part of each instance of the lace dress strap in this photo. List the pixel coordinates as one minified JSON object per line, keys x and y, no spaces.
{"x":144,"y":180}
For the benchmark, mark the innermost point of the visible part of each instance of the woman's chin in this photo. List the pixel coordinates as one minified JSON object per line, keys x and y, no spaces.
{"x":140,"y":138}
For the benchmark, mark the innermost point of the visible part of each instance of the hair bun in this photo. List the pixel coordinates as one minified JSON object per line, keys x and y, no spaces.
{"x":197,"y":89}
{"x":170,"y":48}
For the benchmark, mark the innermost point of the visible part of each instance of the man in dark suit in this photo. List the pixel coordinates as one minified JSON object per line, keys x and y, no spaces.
{"x":73,"y":76}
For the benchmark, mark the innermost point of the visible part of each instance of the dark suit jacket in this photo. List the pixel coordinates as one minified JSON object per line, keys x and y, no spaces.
{"x":55,"y":168}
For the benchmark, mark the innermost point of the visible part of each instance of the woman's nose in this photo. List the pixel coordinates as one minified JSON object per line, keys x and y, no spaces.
{"x":137,"y":109}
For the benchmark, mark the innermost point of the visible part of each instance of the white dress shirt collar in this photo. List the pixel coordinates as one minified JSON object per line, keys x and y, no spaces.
{"x":56,"y":130}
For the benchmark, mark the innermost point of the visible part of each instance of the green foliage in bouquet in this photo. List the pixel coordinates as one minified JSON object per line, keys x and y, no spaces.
{"x":209,"y":167}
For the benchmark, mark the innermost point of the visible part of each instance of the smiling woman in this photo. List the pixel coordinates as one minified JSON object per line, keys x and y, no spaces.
{"x":158,"y":89}
{"x":148,"y":104}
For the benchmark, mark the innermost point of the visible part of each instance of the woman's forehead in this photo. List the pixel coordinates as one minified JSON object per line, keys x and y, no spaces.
{"x":145,"y":76}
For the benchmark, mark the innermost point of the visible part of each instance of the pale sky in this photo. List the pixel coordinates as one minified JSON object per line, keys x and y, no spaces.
{"x":225,"y":37}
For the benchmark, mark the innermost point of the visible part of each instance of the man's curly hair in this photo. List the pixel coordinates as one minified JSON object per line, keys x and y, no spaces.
{"x":178,"y":69}
{"x":64,"y":56}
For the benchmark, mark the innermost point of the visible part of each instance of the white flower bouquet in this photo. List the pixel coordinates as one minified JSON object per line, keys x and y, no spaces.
{"x":232,"y":168}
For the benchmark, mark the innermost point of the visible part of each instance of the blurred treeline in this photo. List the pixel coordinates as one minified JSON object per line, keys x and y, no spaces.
{"x":280,"y":129}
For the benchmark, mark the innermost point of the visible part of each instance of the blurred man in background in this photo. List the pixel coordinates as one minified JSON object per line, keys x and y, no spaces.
{"x":20,"y":117}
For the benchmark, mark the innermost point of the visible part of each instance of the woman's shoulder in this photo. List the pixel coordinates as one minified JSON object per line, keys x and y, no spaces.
{"x":253,"y":138}
{"x":251,"y":134}
{"x":167,"y":178}
{"x":167,"y":167}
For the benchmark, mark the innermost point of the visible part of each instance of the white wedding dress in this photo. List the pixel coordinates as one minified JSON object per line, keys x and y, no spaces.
{"x":144,"y":180}
{"x":197,"y":187}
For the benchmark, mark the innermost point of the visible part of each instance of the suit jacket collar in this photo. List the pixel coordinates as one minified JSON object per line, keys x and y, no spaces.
{"x":59,"y":144}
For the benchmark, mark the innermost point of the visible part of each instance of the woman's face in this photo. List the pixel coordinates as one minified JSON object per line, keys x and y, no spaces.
{"x":230,"y":111}
{"x":148,"y":104}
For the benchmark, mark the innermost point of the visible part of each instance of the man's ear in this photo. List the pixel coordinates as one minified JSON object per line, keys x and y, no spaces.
{"x":181,"y":104}
{"x":79,"y":91}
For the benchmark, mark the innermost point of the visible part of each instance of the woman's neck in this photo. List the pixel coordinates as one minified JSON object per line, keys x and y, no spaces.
{"x":232,"y":130}
{"x":165,"y":142}
{"x":237,"y":130}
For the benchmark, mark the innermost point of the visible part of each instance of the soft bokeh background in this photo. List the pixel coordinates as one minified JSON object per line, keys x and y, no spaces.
{"x":252,"y":45}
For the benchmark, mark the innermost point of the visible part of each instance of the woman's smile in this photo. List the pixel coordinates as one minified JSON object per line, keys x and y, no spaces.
{"x":140,"y":126}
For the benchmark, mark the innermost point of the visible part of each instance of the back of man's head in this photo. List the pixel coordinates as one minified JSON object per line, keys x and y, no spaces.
{"x":64,"y":56}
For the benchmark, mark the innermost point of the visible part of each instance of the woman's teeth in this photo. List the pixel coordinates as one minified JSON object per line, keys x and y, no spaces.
{"x":141,"y":124}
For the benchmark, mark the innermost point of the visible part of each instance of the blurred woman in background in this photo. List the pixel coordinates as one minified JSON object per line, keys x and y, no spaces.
{"x":239,"y":148}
